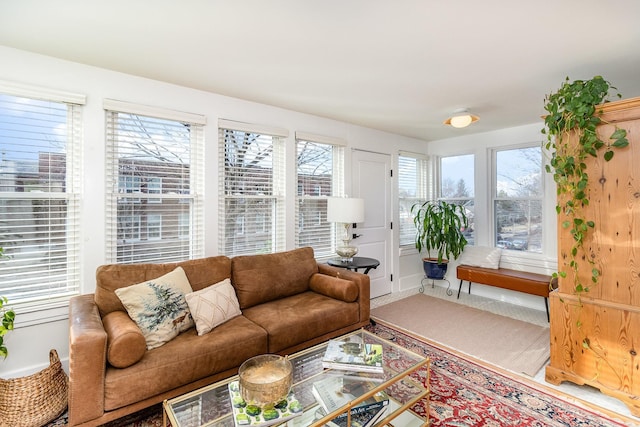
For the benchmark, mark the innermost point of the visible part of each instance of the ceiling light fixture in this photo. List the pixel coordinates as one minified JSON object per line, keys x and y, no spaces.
{"x":461,"y":118}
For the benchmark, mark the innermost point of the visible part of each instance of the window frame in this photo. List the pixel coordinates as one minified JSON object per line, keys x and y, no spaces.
{"x":337,"y":146}
{"x":276,"y":230}
{"x":473,"y":238}
{"x":424,"y":191}
{"x":38,"y":309}
{"x":188,"y":195}
{"x":494,"y":196}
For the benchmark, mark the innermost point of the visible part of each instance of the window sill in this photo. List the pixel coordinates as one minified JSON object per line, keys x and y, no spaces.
{"x":37,"y":313}
{"x":406,"y":251}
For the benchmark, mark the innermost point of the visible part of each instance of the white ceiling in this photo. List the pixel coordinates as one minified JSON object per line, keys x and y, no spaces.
{"x":396,"y":65}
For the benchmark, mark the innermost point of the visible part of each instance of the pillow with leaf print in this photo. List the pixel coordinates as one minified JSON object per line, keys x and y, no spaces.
{"x":158,"y":306}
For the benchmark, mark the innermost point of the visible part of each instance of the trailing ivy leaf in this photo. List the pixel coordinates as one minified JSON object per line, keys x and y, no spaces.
{"x":621,"y":143}
{"x":608,"y":155}
{"x":591,"y":224}
{"x":619,"y":133}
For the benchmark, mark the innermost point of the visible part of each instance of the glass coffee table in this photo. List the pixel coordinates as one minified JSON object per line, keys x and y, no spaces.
{"x":211,"y":405}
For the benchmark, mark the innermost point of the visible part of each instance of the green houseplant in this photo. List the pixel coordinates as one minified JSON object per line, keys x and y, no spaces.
{"x":572,"y":112}
{"x":7,"y":317}
{"x":439,"y":228}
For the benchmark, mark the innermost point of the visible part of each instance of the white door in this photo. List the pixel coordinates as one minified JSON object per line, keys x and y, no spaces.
{"x":371,"y":175}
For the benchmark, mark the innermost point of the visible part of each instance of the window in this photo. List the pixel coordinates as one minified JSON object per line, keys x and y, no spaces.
{"x":252,"y":189}
{"x":154,"y":184}
{"x":320,"y":169}
{"x":40,"y":174}
{"x":413,"y":185}
{"x":154,"y":226}
{"x":517,"y":198}
{"x":457,"y":186}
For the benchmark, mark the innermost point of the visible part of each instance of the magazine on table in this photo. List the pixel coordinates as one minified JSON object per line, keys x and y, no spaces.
{"x":334,"y":392}
{"x":352,"y":354}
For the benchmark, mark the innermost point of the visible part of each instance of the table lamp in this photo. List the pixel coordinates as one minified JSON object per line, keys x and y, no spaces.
{"x":346,"y":211}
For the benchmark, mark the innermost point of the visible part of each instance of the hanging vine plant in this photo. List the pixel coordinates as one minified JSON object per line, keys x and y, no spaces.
{"x":572,"y":111}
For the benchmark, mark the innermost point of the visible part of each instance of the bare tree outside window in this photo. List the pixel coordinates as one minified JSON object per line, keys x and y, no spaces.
{"x":518,"y":195}
{"x":253,"y":191}
{"x":150,"y":182}
{"x":319,"y":168}
{"x":457,"y":186}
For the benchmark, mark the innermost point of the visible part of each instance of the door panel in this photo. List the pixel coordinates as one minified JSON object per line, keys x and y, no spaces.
{"x":372,"y":182}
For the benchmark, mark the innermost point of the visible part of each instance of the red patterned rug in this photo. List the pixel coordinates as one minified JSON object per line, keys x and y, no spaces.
{"x":463,"y":394}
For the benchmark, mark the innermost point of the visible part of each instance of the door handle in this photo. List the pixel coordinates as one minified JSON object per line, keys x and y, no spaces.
{"x":355,"y":236}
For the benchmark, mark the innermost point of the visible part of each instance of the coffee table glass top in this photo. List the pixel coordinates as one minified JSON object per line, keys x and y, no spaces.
{"x":211,"y":406}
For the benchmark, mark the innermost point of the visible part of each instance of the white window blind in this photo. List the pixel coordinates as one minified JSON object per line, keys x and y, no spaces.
{"x":40,"y":177}
{"x":154,"y":186}
{"x":413,"y":185}
{"x":252,"y":182}
{"x":320,"y":174}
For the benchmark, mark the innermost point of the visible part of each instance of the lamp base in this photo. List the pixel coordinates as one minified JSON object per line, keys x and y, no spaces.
{"x":347,"y":253}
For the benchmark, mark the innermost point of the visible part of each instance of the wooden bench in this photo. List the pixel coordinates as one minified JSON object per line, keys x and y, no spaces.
{"x":521,"y":281}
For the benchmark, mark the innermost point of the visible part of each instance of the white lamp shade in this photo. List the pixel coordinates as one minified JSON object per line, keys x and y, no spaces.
{"x":345,"y":209}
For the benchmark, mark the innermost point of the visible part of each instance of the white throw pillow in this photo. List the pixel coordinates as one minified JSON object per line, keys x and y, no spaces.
{"x":481,"y":256}
{"x":213,"y":306}
{"x":158,"y":306}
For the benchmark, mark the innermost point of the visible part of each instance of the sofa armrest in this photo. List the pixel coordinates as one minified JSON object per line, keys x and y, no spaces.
{"x":87,"y":360}
{"x":361,"y":280}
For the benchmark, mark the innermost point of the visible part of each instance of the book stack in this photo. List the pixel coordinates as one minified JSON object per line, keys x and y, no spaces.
{"x":334,"y":392}
{"x":352,"y":354}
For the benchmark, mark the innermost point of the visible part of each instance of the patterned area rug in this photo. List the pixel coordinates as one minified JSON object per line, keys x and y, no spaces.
{"x":463,"y":394}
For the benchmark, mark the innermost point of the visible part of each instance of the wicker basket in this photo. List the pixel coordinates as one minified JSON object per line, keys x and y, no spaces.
{"x":34,"y":400}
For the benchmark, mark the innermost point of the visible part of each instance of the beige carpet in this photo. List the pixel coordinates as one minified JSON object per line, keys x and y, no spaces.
{"x":511,"y":344}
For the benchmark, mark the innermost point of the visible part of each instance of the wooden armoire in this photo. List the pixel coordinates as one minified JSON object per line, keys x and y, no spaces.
{"x":595,"y":337}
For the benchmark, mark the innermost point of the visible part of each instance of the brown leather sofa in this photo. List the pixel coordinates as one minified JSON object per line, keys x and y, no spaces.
{"x":288,"y":302}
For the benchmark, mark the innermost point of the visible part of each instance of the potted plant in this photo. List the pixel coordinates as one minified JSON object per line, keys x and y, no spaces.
{"x":7,"y":317}
{"x":439,"y":228}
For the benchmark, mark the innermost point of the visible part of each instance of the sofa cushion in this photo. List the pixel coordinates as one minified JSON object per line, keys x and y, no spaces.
{"x":334,"y":287}
{"x":125,"y":343}
{"x":158,"y":306}
{"x":185,"y":359}
{"x":302,"y":317}
{"x":263,"y":278}
{"x":201,"y":272}
{"x":213,"y":306}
